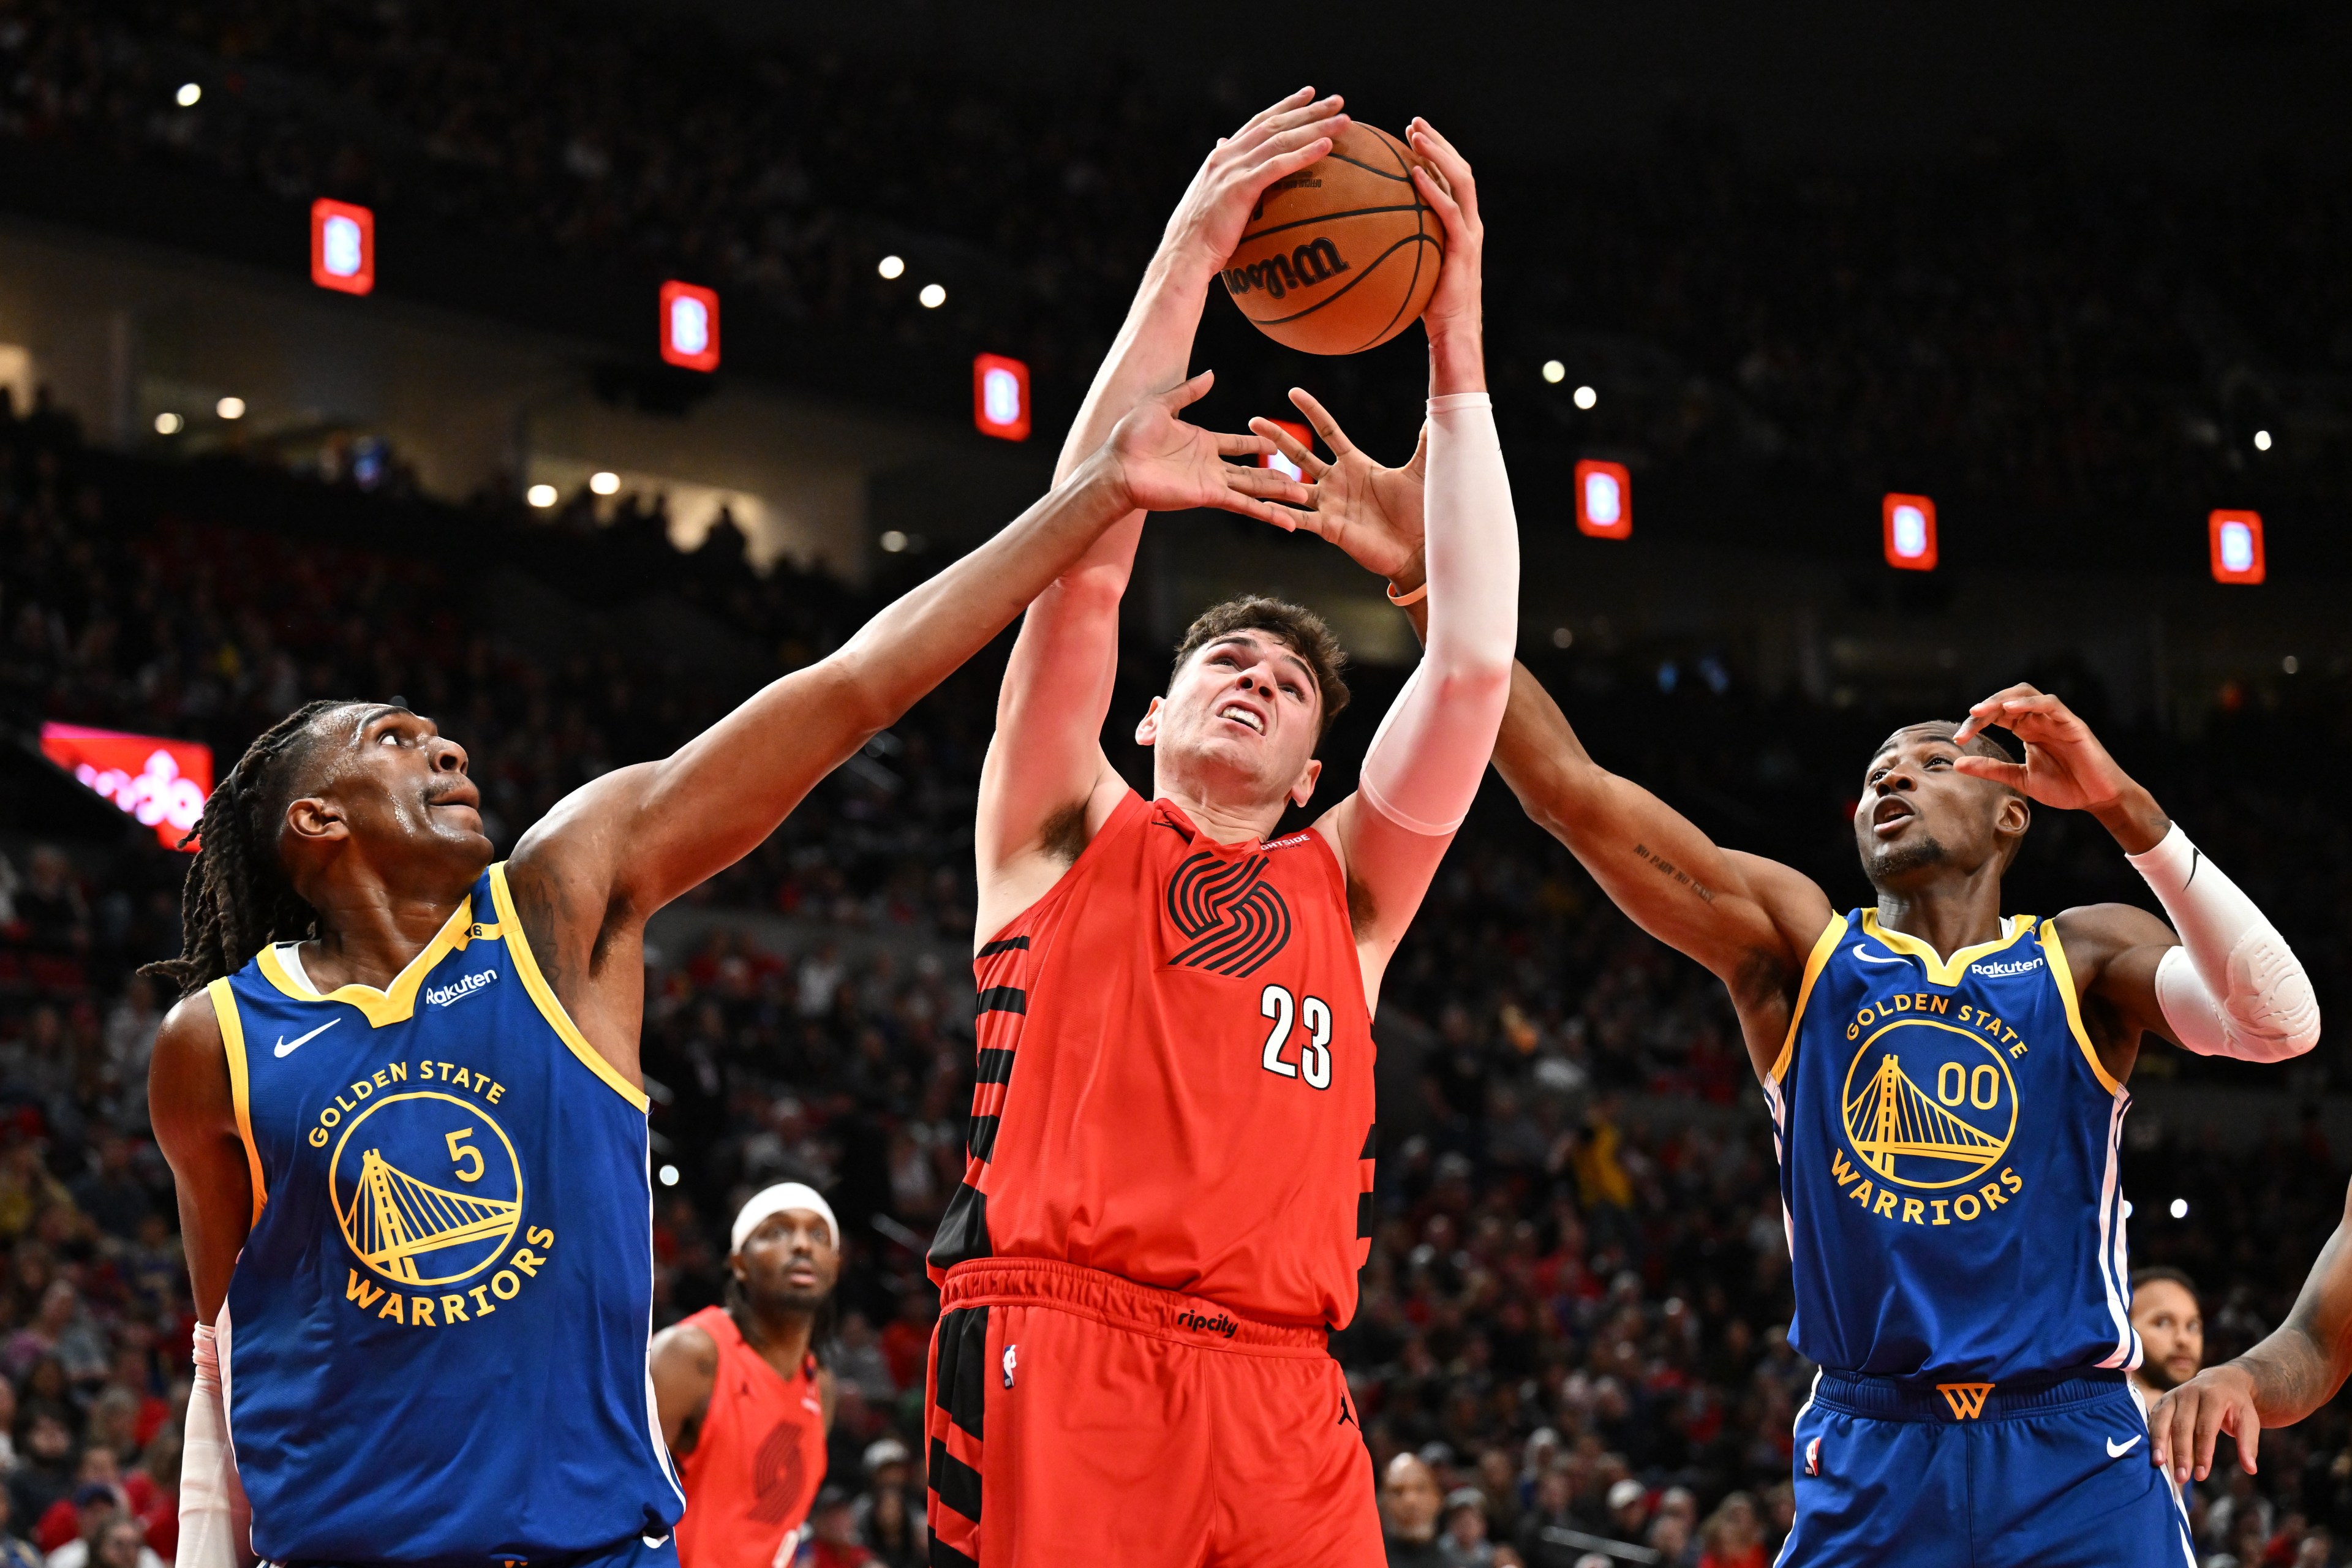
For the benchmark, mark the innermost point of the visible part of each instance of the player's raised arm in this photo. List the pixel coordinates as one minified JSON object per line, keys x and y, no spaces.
{"x":1423,"y":768}
{"x":2227,"y":983}
{"x":1047,"y":784}
{"x":2294,"y":1371}
{"x":639,"y":837}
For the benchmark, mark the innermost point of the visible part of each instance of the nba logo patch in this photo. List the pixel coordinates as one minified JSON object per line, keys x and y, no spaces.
{"x":1814,"y":1458}
{"x":1009,"y":1352}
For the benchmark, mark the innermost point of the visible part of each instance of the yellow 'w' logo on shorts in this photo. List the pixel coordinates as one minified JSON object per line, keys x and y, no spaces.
{"x":1967,"y":1399}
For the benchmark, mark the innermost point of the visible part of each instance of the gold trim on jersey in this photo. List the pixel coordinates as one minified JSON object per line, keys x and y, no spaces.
{"x":2063,"y":973}
{"x":397,"y":1002}
{"x":527,"y":968}
{"x":1940,"y":970}
{"x":240,"y":1088}
{"x":1815,"y":961}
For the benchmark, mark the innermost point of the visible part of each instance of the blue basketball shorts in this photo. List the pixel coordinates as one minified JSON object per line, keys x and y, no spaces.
{"x":2052,"y":1474}
{"x":636,"y":1551}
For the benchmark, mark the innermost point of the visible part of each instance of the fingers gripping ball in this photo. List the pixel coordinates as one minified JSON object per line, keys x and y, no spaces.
{"x":1343,"y":254}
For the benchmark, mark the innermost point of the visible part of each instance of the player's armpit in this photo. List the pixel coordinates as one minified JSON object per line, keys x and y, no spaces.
{"x":1750,"y":920}
{"x":685,"y":1365}
{"x":2113,"y":952}
{"x":195,"y":1126}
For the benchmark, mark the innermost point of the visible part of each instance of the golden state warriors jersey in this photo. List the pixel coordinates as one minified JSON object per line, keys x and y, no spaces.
{"x":1949,"y":1160}
{"x":435,"y":1347}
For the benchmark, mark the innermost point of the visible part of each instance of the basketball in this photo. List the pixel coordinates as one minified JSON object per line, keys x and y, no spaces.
{"x":1343,"y":254}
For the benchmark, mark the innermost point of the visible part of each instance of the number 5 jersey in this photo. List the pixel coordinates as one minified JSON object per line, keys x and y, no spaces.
{"x":435,"y":1343}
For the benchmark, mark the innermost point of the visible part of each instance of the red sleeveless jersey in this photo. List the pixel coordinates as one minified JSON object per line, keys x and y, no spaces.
{"x":757,"y":1461}
{"x":1175,"y":1074}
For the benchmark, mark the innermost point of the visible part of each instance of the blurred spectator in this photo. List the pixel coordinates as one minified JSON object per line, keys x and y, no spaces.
{"x":1462,"y":1541}
{"x":2171,"y":1328}
{"x":833,"y":1527}
{"x":1733,"y":1535}
{"x":1409,"y":1504}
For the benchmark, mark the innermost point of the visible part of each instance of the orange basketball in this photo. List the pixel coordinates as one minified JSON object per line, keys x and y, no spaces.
{"x":1343,"y":254}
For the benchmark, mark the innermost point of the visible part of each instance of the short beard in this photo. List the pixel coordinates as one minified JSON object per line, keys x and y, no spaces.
{"x":1906,"y":859}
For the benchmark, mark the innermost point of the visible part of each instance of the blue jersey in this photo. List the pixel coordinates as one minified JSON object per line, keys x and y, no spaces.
{"x":1949,"y":1149}
{"x":435,"y":1341}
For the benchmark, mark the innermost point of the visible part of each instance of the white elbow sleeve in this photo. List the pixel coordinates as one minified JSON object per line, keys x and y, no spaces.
{"x":214,"y":1523}
{"x":1423,"y":768}
{"x":2232,"y":987}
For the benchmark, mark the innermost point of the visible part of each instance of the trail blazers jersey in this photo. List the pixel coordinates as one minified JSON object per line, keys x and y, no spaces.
{"x":434,"y":1344}
{"x":1949,"y":1160}
{"x":1175,"y":1074}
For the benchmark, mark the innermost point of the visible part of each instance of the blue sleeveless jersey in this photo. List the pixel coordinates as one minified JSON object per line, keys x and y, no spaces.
{"x":1949,"y":1160}
{"x":435,"y":1341}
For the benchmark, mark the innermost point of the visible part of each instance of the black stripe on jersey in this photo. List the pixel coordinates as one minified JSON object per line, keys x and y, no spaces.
{"x":964,"y":1229}
{"x":1003,"y":945}
{"x":946,"y":1556}
{"x":1363,"y":1217}
{"x":983,"y":1140}
{"x":996,"y":1067}
{"x":1003,"y":999}
{"x":964,"y":1383}
{"x":957,"y":1483}
{"x":1371,"y":1142}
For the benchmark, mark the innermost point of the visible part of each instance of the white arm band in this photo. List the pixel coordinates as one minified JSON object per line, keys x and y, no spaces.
{"x":1423,"y":768}
{"x":215,"y":1527}
{"x":2232,"y":987}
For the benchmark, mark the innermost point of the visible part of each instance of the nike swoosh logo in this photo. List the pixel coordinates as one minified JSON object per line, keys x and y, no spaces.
{"x":2117,"y":1450}
{"x":286,"y":1048}
{"x":1868,"y":956}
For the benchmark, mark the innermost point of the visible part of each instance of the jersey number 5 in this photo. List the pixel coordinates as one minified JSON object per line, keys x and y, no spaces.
{"x":1314,"y":1015}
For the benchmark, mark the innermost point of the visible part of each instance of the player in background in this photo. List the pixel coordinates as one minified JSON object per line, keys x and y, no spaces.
{"x":1947,"y":1088}
{"x":2171,"y":1328}
{"x":1167,"y":1195}
{"x":400,"y":1091}
{"x":744,"y":1405}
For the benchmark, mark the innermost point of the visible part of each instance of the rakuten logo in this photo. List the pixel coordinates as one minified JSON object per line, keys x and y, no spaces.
{"x":458,"y":990}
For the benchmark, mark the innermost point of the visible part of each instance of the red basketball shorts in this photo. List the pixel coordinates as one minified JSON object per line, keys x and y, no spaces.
{"x":1076,"y":1417}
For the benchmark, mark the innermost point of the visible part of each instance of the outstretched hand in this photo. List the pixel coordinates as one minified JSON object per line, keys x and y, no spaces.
{"x":2187,"y":1421}
{"x":2064,"y":764}
{"x":1163,"y":464}
{"x":1279,"y":139}
{"x":1372,"y":513}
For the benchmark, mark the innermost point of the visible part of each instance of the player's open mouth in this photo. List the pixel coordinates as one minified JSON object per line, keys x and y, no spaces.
{"x":1888,"y":818}
{"x":1241,"y":715}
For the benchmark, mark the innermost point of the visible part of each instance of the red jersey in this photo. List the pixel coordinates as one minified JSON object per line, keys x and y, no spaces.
{"x":1175,"y":1074}
{"x":757,"y":1461}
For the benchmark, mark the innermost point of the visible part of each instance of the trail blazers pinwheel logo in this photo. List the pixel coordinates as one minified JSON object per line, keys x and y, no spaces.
{"x":1927,"y":1105}
{"x":1233,"y":917}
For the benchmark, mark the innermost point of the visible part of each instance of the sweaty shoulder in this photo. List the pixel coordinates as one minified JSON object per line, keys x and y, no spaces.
{"x":2094,"y":933}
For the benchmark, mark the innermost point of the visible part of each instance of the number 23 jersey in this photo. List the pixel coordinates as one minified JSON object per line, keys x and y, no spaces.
{"x":1175,"y":1074}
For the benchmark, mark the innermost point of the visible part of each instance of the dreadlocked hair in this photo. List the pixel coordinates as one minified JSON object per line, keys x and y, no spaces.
{"x":237,"y":899}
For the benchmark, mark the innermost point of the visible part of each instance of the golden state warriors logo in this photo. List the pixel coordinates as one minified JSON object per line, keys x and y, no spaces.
{"x":1928,"y":1105}
{"x":427,"y":1187}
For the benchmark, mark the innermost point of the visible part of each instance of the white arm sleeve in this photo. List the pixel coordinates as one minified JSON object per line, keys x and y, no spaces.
{"x":1422,"y":769}
{"x":2232,"y":987}
{"x":216,"y":1526}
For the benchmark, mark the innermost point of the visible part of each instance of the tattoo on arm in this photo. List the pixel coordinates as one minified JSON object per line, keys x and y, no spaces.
{"x":1668,"y":869}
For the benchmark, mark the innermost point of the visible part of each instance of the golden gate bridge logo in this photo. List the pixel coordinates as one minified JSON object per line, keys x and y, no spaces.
{"x":427,"y":1203}
{"x":1942,"y":1134}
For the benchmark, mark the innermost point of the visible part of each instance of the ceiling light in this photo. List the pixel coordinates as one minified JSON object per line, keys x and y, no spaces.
{"x":540,"y":495}
{"x":1586,"y":397}
{"x":932,"y":296}
{"x":606,"y":483}
{"x":230,"y":408}
{"x":892,"y":267}
{"x":188,"y":94}
{"x":2262,"y":440}
{"x":1554,"y":372}
{"x":167,"y":424}
{"x":892,"y":542}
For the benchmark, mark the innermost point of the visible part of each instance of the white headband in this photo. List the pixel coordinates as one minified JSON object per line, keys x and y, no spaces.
{"x":775,"y":1200}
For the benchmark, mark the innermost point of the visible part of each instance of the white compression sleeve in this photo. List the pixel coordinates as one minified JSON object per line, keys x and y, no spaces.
{"x":2232,"y":987}
{"x":215,"y":1524}
{"x":1423,"y":768}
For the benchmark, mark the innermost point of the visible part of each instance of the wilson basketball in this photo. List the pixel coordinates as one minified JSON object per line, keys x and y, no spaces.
{"x":1343,"y":254}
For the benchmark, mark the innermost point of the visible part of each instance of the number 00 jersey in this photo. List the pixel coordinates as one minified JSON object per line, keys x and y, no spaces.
{"x":434,"y":1345}
{"x":1175,"y":1074}
{"x":1949,"y":1160}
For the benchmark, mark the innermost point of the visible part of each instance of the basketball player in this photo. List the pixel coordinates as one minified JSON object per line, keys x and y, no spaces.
{"x":2171,"y":1328}
{"x":1169,"y":1188}
{"x":401,"y":1094}
{"x":744,"y":1404}
{"x":1947,"y":1086}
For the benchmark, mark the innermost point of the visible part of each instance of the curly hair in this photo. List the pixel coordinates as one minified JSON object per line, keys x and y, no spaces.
{"x":238,"y":899}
